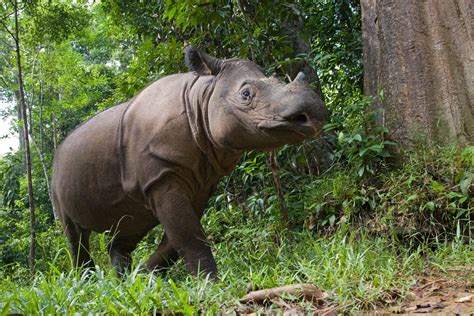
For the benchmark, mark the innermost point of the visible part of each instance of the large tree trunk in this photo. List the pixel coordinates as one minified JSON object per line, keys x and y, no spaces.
{"x":421,"y":54}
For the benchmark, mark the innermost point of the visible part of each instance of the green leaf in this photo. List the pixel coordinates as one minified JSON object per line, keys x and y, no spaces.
{"x":376,"y":147}
{"x":6,"y":308}
{"x":468,"y":155}
{"x":386,"y":154}
{"x":437,"y":187}
{"x":363,"y":151}
{"x":465,"y":183}
{"x":361,"y":170}
{"x":430,"y":205}
{"x":340,"y":137}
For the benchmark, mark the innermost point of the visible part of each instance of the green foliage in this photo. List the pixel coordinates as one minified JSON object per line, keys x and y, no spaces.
{"x":465,"y":177}
{"x":360,"y":141}
{"x":14,"y":233}
{"x":11,"y":170}
{"x":422,"y":200}
{"x":337,"y":47}
{"x":14,"y":216}
{"x":46,"y":16}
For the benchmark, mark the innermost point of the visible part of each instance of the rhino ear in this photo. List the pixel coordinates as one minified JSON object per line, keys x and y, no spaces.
{"x":201,"y":63}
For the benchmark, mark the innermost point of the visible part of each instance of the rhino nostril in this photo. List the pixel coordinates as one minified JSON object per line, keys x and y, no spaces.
{"x":300,"y":118}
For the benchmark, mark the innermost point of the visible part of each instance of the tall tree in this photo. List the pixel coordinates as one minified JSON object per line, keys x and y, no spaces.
{"x":420,"y":54}
{"x":15,"y":34}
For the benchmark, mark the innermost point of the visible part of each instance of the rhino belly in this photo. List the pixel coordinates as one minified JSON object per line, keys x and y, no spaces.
{"x":125,"y":218}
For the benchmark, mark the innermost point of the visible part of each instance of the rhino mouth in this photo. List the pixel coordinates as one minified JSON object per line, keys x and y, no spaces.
{"x":300,"y":124}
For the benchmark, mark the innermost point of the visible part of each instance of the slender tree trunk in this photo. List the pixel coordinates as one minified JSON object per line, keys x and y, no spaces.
{"x":421,"y":54}
{"x":31,"y":256}
{"x":41,"y":103}
{"x":277,"y":182}
{"x":55,"y":136}
{"x":45,"y":171}
{"x":21,"y":135}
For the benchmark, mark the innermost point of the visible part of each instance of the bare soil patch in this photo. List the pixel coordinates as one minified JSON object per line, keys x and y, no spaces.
{"x":437,"y":293}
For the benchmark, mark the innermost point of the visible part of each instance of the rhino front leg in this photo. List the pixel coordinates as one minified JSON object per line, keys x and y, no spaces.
{"x":174,"y":211}
{"x":163,"y":257}
{"x":120,"y":252}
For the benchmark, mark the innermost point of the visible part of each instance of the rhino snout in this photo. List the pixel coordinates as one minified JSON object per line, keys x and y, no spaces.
{"x":307,"y":113}
{"x":309,"y":106}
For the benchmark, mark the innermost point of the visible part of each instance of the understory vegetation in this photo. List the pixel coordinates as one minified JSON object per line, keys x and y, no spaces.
{"x":356,"y":271}
{"x":355,"y":238}
{"x":366,"y":217}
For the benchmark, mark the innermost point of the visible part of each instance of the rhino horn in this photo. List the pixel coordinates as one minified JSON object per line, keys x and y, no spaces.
{"x":201,"y":63}
{"x":300,"y":77}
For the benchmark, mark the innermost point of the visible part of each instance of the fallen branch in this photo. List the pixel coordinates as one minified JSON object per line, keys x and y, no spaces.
{"x":308,"y":292}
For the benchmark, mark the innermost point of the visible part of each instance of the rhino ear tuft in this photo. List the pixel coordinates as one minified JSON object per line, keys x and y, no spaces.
{"x":201,"y":63}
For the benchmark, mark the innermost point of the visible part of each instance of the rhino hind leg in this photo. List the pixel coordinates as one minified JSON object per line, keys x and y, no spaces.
{"x":79,"y":243}
{"x":164,"y":256}
{"x":120,"y":252}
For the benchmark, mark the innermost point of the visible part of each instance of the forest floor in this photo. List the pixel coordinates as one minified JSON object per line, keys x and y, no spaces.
{"x":349,"y":276}
{"x":450,"y":292}
{"x":352,"y":272}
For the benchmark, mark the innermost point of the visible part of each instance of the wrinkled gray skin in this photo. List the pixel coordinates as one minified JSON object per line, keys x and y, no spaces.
{"x":156,"y":159}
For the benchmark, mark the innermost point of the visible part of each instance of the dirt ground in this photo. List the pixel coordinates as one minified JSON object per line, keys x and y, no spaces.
{"x":449,"y":293}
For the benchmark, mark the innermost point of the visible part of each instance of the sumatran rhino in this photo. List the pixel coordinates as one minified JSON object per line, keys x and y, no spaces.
{"x":156,"y":158}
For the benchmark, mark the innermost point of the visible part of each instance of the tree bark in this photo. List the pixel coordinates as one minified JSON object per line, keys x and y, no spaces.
{"x":21,"y":135}
{"x":31,"y":256}
{"x":55,"y":135}
{"x":421,"y":54}
{"x":272,"y":161}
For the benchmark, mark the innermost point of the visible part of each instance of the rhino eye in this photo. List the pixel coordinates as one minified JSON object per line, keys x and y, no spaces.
{"x":246,"y":94}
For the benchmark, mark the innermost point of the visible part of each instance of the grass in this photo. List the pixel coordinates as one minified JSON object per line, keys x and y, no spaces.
{"x":354,"y":268}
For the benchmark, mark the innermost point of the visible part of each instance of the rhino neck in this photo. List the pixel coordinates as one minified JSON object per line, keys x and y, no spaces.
{"x":196,"y":94}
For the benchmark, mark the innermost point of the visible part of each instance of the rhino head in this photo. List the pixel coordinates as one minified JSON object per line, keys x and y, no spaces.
{"x":247,"y":110}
